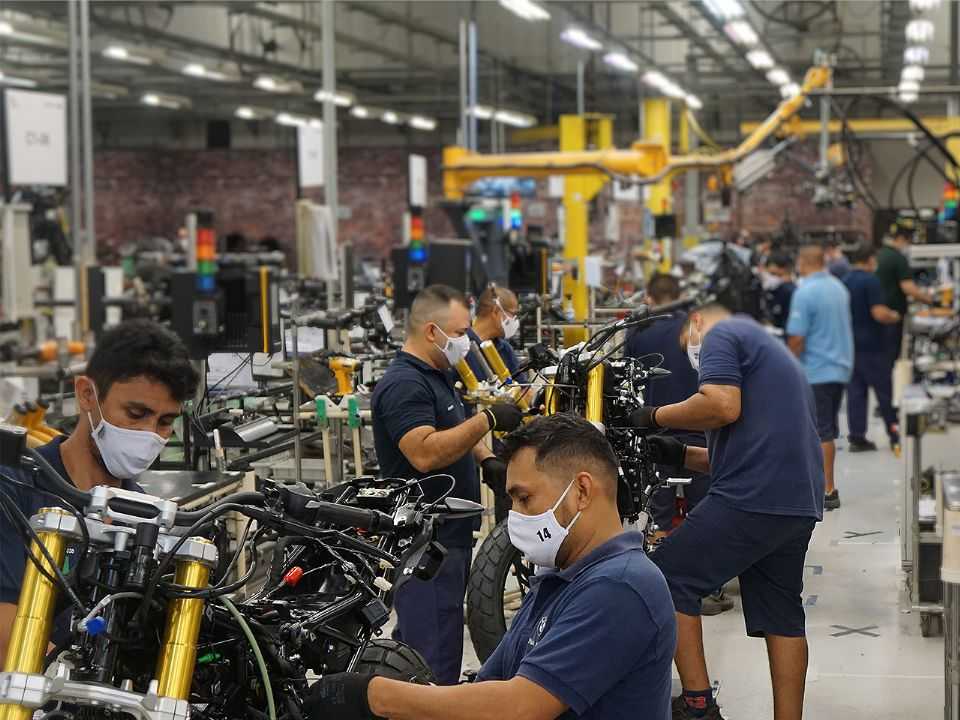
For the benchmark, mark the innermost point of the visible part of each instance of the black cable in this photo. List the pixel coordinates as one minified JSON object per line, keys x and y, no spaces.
{"x":84,"y":531}
{"x":10,"y":505}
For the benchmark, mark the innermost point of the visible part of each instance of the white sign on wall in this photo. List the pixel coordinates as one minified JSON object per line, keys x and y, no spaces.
{"x":626,"y":192}
{"x":310,"y":155}
{"x":36,"y":137}
{"x":555,"y":186}
{"x":418,"y":181}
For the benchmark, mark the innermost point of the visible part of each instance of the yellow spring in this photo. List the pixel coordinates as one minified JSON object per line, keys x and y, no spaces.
{"x":179,"y":652}
{"x":34,"y":621}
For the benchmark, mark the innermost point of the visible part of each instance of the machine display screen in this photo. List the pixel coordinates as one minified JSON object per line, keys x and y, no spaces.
{"x":503,"y":187}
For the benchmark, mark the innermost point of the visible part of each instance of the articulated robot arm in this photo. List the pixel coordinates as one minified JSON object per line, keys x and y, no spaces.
{"x":644,"y":163}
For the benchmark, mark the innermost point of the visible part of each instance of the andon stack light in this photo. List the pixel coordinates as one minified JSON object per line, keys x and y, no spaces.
{"x":950,"y":197}
{"x":516,"y":215}
{"x":418,"y":248}
{"x":206,"y":260}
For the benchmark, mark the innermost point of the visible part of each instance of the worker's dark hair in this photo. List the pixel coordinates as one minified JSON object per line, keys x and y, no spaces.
{"x":142,"y":348}
{"x":862,"y":253}
{"x":566,"y":444}
{"x":902,"y":229}
{"x":780,"y":259}
{"x":431,"y":305}
{"x":663,"y":288}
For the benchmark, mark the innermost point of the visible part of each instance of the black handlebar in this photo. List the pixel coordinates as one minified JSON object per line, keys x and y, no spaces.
{"x":346,"y":516}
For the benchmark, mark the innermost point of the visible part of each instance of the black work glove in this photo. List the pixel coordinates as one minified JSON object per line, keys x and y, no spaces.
{"x":643,"y":418}
{"x":340,"y":696}
{"x":667,"y":451}
{"x":495,"y":474}
{"x":503,"y":416}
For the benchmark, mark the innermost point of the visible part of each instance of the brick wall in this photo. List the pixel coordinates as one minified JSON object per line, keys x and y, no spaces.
{"x":148,"y":192}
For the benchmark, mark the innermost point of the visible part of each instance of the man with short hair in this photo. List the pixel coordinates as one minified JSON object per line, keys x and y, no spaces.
{"x":896,"y":279}
{"x":497,"y":320}
{"x":128,"y":398}
{"x":766,"y":495}
{"x":870,"y":369}
{"x":778,"y":288}
{"x":421,"y":429}
{"x":595,"y":634}
{"x":820,"y":333}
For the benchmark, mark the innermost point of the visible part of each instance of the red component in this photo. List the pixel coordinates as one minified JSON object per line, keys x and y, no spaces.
{"x":293,"y":576}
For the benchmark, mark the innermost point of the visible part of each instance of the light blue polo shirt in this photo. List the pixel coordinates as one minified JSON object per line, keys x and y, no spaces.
{"x":820,"y":313}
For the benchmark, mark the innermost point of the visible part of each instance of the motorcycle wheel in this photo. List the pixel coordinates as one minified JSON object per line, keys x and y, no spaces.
{"x":499,"y":580}
{"x":393,"y":659}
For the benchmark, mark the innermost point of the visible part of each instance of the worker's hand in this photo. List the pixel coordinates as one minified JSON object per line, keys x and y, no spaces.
{"x":667,"y":451}
{"x":341,"y":696}
{"x":495,"y":474}
{"x":503,"y":417}
{"x":644,"y":418}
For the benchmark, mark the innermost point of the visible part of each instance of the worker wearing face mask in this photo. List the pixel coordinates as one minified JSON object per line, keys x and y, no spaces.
{"x":766,"y":494}
{"x":595,"y":634}
{"x":421,"y":429}
{"x":133,"y":389}
{"x":497,"y":320}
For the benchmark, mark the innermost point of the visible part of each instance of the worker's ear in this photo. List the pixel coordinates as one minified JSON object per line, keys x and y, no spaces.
{"x":585,"y":489}
{"x":86,"y":393}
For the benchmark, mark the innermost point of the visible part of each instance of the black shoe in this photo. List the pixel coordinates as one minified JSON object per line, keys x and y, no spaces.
{"x":678,"y":711}
{"x":861,"y":445}
{"x":715,"y":604}
{"x":831,"y":501}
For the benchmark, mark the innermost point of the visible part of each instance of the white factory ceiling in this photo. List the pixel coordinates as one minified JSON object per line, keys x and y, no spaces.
{"x":398,"y":62}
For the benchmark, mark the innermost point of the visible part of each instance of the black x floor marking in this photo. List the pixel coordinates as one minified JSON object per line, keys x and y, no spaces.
{"x":844,"y":630}
{"x":850,"y":534}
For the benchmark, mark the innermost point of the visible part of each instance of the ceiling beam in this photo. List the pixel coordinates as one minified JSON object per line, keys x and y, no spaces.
{"x":256,"y":9}
{"x":667,"y":11}
{"x":379,"y":12}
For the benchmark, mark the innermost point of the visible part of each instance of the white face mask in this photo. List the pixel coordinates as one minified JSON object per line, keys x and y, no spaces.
{"x":510,"y":325}
{"x":455,"y":349}
{"x":126,"y":453}
{"x":771,"y":281}
{"x":539,"y":537}
{"x":693,"y":349}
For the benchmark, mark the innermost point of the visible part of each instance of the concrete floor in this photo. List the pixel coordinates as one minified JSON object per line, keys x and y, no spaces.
{"x":851,"y":583}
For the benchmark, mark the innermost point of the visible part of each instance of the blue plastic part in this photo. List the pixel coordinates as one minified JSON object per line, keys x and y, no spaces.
{"x":95,"y":626}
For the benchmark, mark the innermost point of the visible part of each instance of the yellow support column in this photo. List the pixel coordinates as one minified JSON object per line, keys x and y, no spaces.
{"x":580,"y":133}
{"x":656,"y":128}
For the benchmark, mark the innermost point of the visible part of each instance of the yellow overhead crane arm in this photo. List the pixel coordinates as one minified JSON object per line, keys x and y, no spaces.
{"x":644,"y":163}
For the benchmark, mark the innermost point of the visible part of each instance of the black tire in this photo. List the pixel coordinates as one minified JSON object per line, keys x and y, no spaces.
{"x":496,"y":562}
{"x":393,"y":659}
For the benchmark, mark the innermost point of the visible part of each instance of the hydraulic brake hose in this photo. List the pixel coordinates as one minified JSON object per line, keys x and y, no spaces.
{"x":261,"y":665}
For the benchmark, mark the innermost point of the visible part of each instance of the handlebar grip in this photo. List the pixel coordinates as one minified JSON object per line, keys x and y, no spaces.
{"x":347,"y":516}
{"x":132,"y":507}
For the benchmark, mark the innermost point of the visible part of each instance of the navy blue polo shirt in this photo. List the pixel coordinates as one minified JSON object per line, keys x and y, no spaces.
{"x":865,"y":292}
{"x":507,"y":354}
{"x":412,"y":394}
{"x":769,"y":460}
{"x":13,"y":559}
{"x":778,"y":304}
{"x":663,"y":338}
{"x":599,"y":636}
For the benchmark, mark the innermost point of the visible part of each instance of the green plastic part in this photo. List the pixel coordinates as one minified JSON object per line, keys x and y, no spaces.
{"x":322,"y":411}
{"x":353,"y":410}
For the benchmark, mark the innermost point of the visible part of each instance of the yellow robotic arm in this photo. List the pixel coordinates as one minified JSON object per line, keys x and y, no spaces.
{"x":644,"y":163}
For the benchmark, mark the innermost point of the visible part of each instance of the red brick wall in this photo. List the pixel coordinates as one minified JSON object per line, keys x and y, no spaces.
{"x":140,"y":193}
{"x":148,"y":192}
